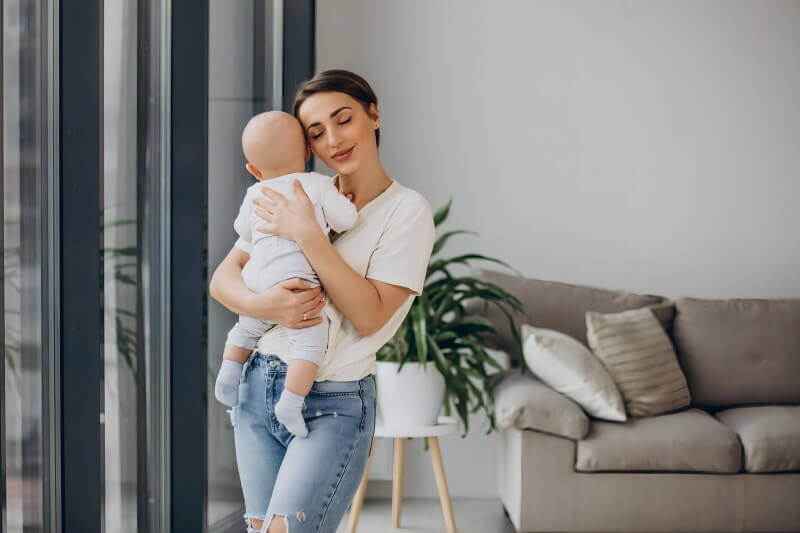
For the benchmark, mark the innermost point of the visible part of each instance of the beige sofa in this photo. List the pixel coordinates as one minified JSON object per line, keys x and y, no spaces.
{"x":729,"y":462}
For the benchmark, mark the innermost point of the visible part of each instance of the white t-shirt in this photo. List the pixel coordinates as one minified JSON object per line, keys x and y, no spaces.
{"x":391,"y":242}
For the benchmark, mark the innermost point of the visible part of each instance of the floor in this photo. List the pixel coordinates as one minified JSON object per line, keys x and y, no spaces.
{"x":423,"y":515}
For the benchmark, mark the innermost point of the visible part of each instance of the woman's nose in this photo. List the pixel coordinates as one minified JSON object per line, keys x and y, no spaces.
{"x":333,"y":140}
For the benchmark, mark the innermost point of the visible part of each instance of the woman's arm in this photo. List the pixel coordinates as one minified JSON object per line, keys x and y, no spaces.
{"x":279,"y":304}
{"x":368,"y":303}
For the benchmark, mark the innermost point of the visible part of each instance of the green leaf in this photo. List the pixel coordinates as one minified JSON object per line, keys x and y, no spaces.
{"x":441,"y":241}
{"x":442,"y":212}
{"x":420,"y":333}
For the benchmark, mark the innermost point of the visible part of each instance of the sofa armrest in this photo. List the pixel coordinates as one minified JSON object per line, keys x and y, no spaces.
{"x":524,"y":402}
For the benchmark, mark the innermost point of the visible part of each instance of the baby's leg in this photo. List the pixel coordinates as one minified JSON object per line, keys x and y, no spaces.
{"x":239,"y":345}
{"x":300,"y":376}
{"x":289,"y":409}
{"x":306,"y":349}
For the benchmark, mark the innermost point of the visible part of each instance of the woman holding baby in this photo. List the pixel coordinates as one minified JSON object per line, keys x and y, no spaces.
{"x":370,"y":274}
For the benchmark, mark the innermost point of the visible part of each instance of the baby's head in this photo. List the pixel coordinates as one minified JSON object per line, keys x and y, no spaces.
{"x":274,"y":145}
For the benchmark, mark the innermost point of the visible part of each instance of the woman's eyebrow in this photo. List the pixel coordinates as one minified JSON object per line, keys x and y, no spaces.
{"x":331,"y":115}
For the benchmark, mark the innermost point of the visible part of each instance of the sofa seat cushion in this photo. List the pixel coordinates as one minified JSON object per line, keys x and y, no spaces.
{"x":687,"y":441}
{"x":770,"y":436}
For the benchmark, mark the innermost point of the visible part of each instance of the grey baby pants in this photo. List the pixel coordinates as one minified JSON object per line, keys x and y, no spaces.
{"x":272,"y":260}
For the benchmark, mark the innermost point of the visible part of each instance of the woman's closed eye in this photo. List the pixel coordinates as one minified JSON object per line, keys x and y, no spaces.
{"x":318,"y":134}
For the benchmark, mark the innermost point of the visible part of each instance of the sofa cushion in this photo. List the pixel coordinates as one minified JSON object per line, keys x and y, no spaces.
{"x":639,"y":357}
{"x":687,"y":441}
{"x":559,"y":306}
{"x":736,"y":352}
{"x":570,"y":368}
{"x":770,"y":436}
{"x":524,"y":402}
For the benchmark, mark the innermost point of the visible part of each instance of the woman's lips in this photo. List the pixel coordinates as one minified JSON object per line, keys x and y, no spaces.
{"x":344,"y":154}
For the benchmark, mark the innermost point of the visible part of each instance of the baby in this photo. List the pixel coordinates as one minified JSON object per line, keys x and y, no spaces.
{"x":275,"y":149}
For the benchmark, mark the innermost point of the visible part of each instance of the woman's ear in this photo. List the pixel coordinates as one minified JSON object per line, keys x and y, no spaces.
{"x":375,"y":115}
{"x":251,"y":168}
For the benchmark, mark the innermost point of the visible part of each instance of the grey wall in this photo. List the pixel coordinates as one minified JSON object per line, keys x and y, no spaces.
{"x":647,"y":146}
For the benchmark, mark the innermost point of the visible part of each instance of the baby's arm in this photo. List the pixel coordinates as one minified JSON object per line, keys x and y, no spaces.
{"x":340,"y":213}
{"x":242,"y":223}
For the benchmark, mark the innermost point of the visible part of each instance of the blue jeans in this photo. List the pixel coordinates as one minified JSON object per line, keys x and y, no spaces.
{"x":311,"y":481}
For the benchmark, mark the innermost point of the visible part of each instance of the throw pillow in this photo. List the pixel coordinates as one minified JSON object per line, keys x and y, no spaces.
{"x":640,"y":359}
{"x":524,"y":402}
{"x":570,"y":368}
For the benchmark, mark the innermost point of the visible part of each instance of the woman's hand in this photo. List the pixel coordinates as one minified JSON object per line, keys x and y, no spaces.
{"x":292,"y":220}
{"x":293,"y":303}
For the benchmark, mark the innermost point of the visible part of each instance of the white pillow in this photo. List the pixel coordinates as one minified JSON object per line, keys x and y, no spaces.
{"x":571,"y":368}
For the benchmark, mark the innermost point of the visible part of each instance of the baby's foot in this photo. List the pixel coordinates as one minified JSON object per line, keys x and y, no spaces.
{"x":226,"y":389}
{"x":289,"y":411}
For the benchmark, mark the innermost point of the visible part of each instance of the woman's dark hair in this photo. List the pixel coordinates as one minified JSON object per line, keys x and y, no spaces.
{"x":339,"y":81}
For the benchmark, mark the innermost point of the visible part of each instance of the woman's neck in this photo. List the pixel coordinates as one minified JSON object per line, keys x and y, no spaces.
{"x":365,"y":184}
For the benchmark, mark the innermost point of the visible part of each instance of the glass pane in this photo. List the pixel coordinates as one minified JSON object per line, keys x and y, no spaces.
{"x":240,"y":84}
{"x":120,"y":253}
{"x":24,"y":180}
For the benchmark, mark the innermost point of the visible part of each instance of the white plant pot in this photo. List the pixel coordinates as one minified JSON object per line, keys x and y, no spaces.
{"x":412,"y":397}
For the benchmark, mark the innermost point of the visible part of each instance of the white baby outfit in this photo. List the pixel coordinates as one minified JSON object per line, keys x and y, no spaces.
{"x":274,"y":259}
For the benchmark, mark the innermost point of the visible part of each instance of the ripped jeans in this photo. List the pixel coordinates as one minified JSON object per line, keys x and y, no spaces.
{"x":311,"y":481}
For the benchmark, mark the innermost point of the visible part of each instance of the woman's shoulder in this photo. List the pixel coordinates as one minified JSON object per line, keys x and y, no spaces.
{"x":407,"y":200}
{"x":409,"y":211}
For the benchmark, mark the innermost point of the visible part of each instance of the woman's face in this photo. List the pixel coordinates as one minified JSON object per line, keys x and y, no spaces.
{"x":339,"y":130}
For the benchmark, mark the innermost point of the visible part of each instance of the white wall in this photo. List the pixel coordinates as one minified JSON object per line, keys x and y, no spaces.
{"x":647,"y":146}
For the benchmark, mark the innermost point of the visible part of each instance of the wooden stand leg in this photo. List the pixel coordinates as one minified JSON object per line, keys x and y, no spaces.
{"x":441,"y":484}
{"x":397,"y":480}
{"x":358,"y":499}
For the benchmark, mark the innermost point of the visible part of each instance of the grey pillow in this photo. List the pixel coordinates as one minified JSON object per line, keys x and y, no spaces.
{"x":524,"y":402}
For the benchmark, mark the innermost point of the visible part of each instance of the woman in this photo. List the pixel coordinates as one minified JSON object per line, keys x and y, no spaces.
{"x":370,"y":273}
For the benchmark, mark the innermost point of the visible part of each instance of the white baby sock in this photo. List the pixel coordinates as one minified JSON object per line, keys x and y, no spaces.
{"x":226,"y":389}
{"x":289,"y":411}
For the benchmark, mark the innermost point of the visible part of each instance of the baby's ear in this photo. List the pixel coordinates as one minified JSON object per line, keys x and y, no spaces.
{"x":251,"y":168}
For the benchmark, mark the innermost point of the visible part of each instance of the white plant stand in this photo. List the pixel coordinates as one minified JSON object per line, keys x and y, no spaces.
{"x":446,"y":425}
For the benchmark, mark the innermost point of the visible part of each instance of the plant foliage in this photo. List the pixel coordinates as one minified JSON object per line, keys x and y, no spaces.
{"x":439,"y":329}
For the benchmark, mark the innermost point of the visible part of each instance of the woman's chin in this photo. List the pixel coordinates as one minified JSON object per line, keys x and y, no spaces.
{"x":344,"y":167}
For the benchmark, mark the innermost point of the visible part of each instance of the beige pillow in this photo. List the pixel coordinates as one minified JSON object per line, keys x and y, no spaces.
{"x":524,"y":402}
{"x":640,"y":359}
{"x":569,"y":367}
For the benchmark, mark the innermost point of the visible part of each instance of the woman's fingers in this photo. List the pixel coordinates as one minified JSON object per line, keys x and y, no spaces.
{"x":271,"y":194}
{"x":296,"y":284}
{"x":318,"y":309}
{"x":313,"y":305}
{"x":307,"y":323}
{"x":299,"y":192}
{"x":267,"y":228}
{"x":261,"y":202}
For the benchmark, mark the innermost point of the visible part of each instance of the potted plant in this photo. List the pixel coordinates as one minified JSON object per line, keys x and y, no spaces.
{"x":436,"y":358}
